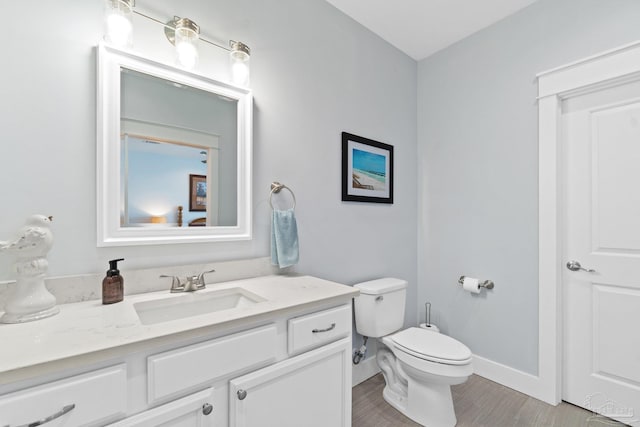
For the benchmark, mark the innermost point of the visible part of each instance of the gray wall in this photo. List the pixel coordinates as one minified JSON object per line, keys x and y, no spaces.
{"x":315,"y":73}
{"x":478,"y":171}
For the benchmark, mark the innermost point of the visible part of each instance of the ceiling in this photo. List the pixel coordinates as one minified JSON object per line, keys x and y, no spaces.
{"x":420,"y":28}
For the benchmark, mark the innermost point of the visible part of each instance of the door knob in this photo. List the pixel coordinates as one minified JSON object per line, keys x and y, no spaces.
{"x":575,"y":266}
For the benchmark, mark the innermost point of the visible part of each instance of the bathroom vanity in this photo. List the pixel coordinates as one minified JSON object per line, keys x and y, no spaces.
{"x":267,"y":351}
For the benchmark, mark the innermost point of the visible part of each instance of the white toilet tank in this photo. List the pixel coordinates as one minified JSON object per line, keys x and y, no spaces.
{"x":379,"y":310}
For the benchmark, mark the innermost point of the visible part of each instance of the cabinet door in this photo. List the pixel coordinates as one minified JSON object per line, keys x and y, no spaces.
{"x":194,"y":410}
{"x":311,"y":390}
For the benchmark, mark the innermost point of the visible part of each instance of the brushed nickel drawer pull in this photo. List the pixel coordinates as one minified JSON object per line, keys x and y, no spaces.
{"x":58,"y":414}
{"x":330,"y":328}
{"x":207,"y":408}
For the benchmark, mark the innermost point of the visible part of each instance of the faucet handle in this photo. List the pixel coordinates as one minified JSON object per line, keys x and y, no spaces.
{"x":201,"y":277}
{"x":175,"y":282}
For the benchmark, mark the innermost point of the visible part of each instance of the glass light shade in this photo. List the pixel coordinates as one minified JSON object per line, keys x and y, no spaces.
{"x":119,"y":23}
{"x":186,"y":38}
{"x":239,"y":57}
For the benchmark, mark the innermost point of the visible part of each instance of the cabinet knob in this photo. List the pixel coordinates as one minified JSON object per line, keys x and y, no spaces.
{"x":242,"y":394}
{"x":207,"y":408}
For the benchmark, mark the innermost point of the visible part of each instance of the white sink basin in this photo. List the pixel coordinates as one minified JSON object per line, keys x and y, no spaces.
{"x":175,"y":306}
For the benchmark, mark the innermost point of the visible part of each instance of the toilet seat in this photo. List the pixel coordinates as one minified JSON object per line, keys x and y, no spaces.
{"x":433,"y":347}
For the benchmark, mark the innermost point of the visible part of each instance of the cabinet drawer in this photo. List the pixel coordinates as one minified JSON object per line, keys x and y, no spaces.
{"x":176,"y":371}
{"x":313,"y":330}
{"x":89,"y":399}
{"x":193,"y":410}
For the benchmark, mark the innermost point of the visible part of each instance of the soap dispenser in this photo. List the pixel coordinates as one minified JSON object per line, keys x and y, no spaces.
{"x":113,"y":284}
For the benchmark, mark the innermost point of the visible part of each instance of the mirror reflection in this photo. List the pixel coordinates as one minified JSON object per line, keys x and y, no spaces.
{"x":178,"y":164}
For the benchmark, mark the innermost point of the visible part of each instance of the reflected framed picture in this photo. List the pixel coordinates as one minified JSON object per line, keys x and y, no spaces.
{"x":197,"y":193}
{"x":367,"y":170}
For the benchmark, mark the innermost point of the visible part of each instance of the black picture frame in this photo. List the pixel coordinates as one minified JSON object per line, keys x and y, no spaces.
{"x":197,"y":193}
{"x":367,"y":170}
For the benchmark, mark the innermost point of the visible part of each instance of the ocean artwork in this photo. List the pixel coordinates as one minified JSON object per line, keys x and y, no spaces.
{"x":369,"y":170}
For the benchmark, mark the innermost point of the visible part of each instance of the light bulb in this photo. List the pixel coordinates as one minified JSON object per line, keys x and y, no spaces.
{"x":119,"y":30}
{"x":186,"y":37}
{"x":239,"y":57}
{"x":118,"y":23}
{"x":240,"y":73}
{"x":187,"y":54}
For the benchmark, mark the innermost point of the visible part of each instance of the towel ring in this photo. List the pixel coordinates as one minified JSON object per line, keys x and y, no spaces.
{"x":275,"y":188}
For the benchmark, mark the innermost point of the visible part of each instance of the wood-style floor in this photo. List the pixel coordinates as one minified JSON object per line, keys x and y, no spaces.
{"x":478,"y":403}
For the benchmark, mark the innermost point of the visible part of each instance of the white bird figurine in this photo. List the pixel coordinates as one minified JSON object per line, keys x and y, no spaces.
{"x":34,"y":240}
{"x":30,"y":299}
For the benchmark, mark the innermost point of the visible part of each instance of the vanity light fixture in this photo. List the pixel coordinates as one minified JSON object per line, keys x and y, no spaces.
{"x":118,"y":22}
{"x":184,"y":34}
{"x":239,"y":56}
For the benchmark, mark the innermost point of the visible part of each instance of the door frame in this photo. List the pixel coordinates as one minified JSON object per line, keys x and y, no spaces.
{"x":554,"y":86}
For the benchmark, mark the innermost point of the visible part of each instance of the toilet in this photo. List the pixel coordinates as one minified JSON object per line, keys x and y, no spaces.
{"x":419,"y":366}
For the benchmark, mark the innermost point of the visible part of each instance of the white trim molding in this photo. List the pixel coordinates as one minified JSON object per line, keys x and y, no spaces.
{"x":507,"y":376}
{"x":554,"y":86}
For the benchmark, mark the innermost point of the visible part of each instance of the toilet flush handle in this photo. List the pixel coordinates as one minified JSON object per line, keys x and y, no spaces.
{"x":379,"y":298}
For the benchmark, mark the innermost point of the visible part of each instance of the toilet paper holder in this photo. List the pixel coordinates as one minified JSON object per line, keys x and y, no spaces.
{"x":487,"y":284}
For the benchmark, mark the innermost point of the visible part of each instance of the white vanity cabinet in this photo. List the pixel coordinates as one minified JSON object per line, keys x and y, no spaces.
{"x":293,"y":372}
{"x":292,"y":368}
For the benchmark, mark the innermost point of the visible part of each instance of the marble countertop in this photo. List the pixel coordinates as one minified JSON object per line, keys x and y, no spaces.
{"x":87,"y":327}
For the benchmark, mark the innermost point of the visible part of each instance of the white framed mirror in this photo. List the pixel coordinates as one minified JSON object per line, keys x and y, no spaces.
{"x":173,"y":154}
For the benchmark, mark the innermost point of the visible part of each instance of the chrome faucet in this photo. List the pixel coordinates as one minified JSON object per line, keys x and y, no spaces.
{"x":191,"y":283}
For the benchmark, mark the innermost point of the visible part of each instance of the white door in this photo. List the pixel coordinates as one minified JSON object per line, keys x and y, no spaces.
{"x":601,"y":317}
{"x":310,"y":390}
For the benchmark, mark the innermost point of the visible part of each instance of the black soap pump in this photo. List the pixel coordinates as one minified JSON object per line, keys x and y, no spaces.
{"x":113,"y":284}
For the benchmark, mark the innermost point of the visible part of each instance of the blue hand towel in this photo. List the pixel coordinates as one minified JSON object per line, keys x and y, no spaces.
{"x":284,"y":238}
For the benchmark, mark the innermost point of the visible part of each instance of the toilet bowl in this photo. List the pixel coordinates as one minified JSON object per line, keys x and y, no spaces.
{"x":429,"y":374}
{"x":418,"y":365}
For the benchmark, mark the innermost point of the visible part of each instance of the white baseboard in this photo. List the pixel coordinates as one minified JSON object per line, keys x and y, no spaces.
{"x":493,"y":371}
{"x":364,"y":370}
{"x":509,"y":377}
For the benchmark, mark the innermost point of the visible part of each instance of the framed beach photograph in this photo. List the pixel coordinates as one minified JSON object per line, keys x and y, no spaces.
{"x":197,"y":193}
{"x":367,"y":170}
